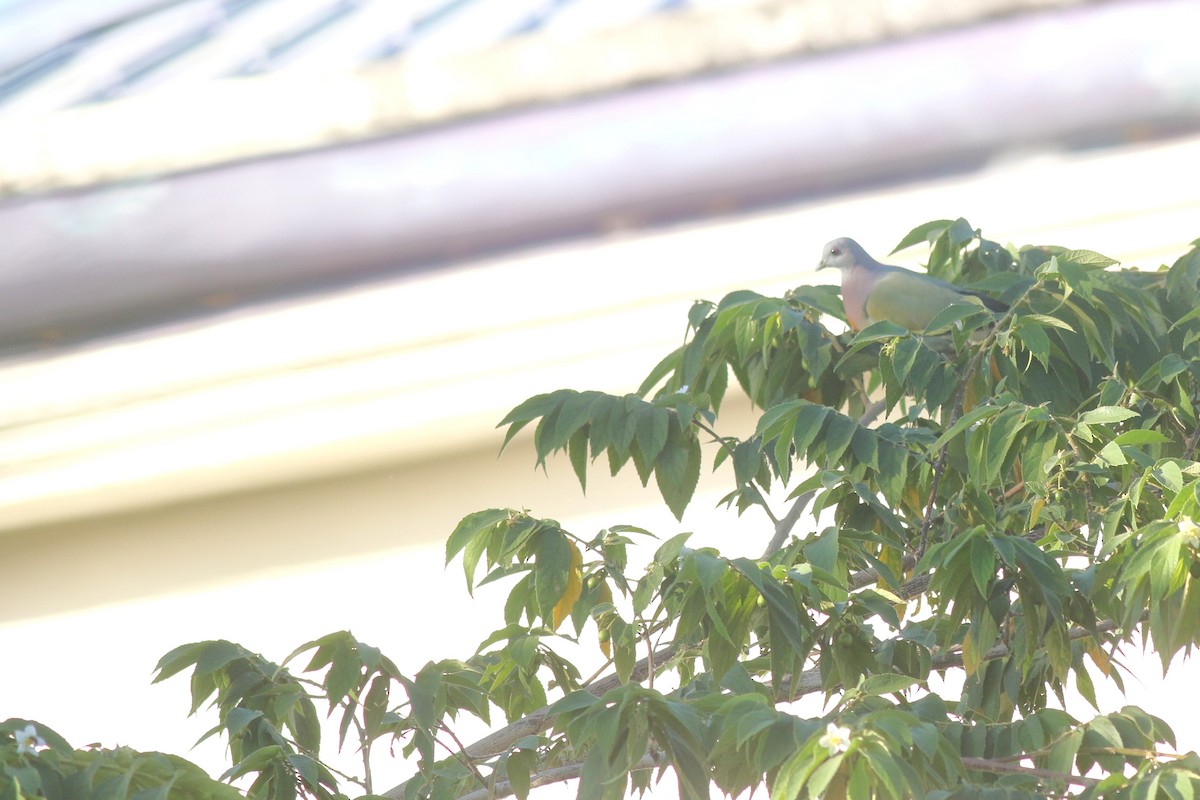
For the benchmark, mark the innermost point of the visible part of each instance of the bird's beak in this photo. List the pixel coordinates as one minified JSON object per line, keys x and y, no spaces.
{"x":822,"y":264}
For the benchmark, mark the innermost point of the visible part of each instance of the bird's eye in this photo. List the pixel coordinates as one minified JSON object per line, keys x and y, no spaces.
{"x":837,"y":251}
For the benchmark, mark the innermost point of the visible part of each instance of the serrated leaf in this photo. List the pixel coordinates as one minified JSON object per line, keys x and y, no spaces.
{"x":470,"y":526}
{"x":953,"y":316}
{"x":838,"y":435}
{"x":677,"y":470}
{"x":531,"y":409}
{"x":886,"y":683}
{"x":810,"y":419}
{"x":1087,"y":258}
{"x":1034,"y":339}
{"x":975,"y":415}
{"x":923,"y":233}
{"x":747,"y":458}
{"x":518,"y":767}
{"x":1141,"y":436}
{"x":577,"y":450}
{"x":1106,"y":415}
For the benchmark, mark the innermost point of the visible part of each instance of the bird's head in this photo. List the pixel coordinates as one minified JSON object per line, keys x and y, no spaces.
{"x":842,"y":253}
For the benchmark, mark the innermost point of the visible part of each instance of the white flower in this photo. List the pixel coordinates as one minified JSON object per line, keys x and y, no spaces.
{"x":28,"y":740}
{"x":1187,"y":526}
{"x":836,"y":739}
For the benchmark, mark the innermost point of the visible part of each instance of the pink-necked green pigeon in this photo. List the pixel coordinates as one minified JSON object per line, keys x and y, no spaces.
{"x":872,"y":291}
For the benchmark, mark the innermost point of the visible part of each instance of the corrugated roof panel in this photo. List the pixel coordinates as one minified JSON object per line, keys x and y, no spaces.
{"x":351,"y":40}
{"x":58,"y":53}
{"x":476,"y":25}
{"x":294,"y":34}
{"x":586,"y":16}
{"x":115,"y":55}
{"x":244,"y":39}
{"x":31,"y":28}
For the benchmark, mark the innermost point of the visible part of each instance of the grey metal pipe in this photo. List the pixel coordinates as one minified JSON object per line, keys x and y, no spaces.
{"x":86,"y":263}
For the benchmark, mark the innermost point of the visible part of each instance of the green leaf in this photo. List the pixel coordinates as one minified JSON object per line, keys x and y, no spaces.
{"x":875,"y":332}
{"x":677,"y":470}
{"x":423,"y":695}
{"x":575,"y":701}
{"x":1087,"y":258}
{"x":810,"y":419}
{"x":1141,"y":436}
{"x":955,"y":314}
{"x":577,"y":449}
{"x":624,"y":647}
{"x":823,"y":550}
{"x":470,"y":526}
{"x":886,"y":683}
{"x":531,"y":409}
{"x":1033,"y":337}
{"x":838,"y":435}
{"x":747,"y":458}
{"x":1169,"y":475}
{"x":518,"y":767}
{"x":1001,"y":433}
{"x":1105,"y":415}
{"x":983,"y":563}
{"x":923,"y":233}
{"x":652,"y":431}
{"x":217,"y":654}
{"x":781,"y":606}
{"x":553,"y":560}
{"x":973,"y":416}
{"x":1111,"y":455}
{"x":865,"y":446}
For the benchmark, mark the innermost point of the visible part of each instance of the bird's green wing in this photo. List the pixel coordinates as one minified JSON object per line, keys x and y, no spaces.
{"x":909,"y":299}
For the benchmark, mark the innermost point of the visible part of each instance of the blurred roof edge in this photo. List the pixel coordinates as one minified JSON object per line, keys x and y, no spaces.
{"x":166,"y":131}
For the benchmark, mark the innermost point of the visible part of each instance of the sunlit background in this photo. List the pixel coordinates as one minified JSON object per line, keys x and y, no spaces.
{"x":272,"y":270}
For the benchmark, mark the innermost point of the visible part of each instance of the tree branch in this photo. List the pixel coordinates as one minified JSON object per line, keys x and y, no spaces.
{"x":546,"y":777}
{"x":988,"y":765}
{"x":787,"y":522}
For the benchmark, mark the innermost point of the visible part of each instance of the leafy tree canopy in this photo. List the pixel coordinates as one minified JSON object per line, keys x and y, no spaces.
{"x":1011,"y":497}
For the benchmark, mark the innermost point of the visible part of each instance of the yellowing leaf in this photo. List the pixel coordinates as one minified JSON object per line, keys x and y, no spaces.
{"x":1035,"y":511}
{"x":913,"y":500}
{"x":971,"y":656}
{"x":562,"y":609}
{"x":1099,"y":657}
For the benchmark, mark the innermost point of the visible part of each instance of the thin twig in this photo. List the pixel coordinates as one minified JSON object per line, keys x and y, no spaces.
{"x":365,"y":747}
{"x":939,"y":469}
{"x":461,"y":755}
